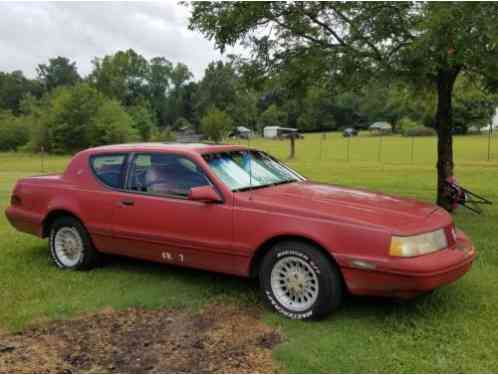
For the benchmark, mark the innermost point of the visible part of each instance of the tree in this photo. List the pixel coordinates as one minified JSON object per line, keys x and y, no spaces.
{"x":273,"y":116}
{"x":216,"y":124}
{"x":159,"y":85}
{"x":123,"y":76}
{"x":59,"y":72}
{"x":429,"y":43}
{"x":111,"y":124}
{"x":143,"y":121}
{"x":13,"y":132}
{"x":13,"y":88}
{"x":217,"y":88}
{"x":473,"y":106}
{"x":179,"y":101}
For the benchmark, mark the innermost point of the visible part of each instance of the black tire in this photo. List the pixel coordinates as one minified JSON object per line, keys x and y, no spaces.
{"x":330,"y":288}
{"x":89,"y":257}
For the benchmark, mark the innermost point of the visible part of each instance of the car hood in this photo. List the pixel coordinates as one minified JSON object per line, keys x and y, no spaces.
{"x":352,"y":205}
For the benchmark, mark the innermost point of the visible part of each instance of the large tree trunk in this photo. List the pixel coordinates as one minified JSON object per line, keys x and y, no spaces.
{"x":444,"y":123}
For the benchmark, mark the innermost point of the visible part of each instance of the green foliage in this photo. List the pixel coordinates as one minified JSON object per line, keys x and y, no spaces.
{"x":143,"y":121}
{"x":473,"y":105}
{"x":123,"y":76}
{"x":317,"y":110}
{"x":216,"y":124}
{"x":59,"y":72}
{"x":244,"y":109}
{"x":73,"y":118}
{"x":111,"y":124}
{"x":165,"y":135}
{"x":273,"y":116}
{"x":217,"y":88}
{"x":406,"y":124}
{"x":13,"y":87}
{"x":14,"y":132}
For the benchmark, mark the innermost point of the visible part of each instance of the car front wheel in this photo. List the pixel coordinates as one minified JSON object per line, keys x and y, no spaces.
{"x":299,"y":281}
{"x":71,"y":246}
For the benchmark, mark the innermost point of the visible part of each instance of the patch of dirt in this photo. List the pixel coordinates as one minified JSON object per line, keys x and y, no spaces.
{"x":220,"y":338}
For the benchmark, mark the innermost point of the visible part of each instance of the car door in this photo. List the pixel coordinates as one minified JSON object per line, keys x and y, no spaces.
{"x":155,"y":220}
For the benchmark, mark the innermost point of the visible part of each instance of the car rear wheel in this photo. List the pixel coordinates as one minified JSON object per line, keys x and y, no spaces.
{"x":71,"y":246}
{"x":299,"y":281}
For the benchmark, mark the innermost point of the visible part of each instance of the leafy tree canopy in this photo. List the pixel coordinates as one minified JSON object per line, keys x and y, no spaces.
{"x":59,"y":71}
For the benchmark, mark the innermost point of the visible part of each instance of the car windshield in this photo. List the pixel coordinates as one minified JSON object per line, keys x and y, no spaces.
{"x":245,"y":169}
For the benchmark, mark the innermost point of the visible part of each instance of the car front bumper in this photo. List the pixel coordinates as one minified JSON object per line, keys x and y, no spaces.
{"x":409,"y":277}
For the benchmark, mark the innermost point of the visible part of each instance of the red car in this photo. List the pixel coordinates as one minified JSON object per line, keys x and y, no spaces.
{"x":239,"y":211}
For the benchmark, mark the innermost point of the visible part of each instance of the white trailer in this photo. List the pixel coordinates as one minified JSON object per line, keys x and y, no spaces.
{"x":270,"y":131}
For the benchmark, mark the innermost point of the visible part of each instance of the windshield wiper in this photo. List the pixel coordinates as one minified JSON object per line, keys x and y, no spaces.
{"x":283,"y":182}
{"x":246,"y":188}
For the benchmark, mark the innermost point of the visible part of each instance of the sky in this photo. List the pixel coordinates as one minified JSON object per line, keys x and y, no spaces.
{"x":31,"y":33}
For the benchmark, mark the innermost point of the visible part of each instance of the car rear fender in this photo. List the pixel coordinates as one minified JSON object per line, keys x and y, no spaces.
{"x":60,"y":206}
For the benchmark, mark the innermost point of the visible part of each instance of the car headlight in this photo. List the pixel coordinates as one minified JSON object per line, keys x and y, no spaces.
{"x":418,"y":245}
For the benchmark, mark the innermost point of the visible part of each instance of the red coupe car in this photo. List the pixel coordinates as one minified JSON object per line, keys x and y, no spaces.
{"x":240,"y":211}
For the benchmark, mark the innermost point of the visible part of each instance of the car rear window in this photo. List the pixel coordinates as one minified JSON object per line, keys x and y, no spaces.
{"x":109,"y":169}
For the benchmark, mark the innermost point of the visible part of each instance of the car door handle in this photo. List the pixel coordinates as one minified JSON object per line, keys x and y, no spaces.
{"x":127,"y":202}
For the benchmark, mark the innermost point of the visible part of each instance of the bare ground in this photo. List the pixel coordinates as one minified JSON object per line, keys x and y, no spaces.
{"x":220,"y":338}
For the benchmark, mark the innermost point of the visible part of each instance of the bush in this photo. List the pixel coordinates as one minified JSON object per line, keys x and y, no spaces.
{"x":165,"y":135}
{"x":143,"y":121}
{"x":73,"y":118}
{"x":406,"y":124}
{"x":111,"y":124}
{"x":14,"y":132}
{"x":216,"y":124}
{"x":273,"y":116}
{"x":420,"y":131}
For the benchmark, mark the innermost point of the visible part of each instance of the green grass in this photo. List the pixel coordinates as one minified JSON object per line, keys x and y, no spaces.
{"x":452,"y":330}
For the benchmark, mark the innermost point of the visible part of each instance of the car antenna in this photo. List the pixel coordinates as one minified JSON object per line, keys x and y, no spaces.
{"x":250,"y":174}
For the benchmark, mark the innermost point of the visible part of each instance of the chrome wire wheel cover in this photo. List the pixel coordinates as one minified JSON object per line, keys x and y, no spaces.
{"x":294,"y":283}
{"x":68,"y":246}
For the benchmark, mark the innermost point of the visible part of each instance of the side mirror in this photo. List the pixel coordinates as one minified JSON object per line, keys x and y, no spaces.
{"x":205,"y":194}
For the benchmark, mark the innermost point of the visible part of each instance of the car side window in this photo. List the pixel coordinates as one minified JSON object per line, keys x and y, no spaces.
{"x":109,"y":169}
{"x":165,"y":174}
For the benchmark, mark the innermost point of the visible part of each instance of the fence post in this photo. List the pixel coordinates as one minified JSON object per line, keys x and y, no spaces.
{"x":379,"y":154}
{"x":411,"y":149}
{"x":489,"y":140}
{"x":292,"y":147}
{"x":348,"y":157}
{"x":42,"y":149}
{"x":321,"y":146}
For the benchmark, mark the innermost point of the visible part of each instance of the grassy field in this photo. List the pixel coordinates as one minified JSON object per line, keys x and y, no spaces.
{"x":452,"y":330}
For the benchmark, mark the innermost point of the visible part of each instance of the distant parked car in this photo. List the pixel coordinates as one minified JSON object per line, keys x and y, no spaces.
{"x":349,"y":132}
{"x":231,"y":209}
{"x":381,"y":127}
{"x":241,"y":132}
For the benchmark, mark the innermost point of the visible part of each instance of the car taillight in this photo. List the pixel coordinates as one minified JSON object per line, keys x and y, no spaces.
{"x":15,"y":200}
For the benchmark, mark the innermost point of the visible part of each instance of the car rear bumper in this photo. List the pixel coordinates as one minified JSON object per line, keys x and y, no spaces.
{"x":409,"y":277}
{"x":24,"y":221}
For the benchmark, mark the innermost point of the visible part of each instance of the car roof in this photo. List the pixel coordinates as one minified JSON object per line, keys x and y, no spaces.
{"x":195,"y":148}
